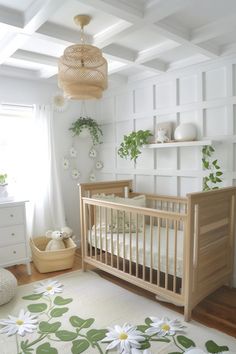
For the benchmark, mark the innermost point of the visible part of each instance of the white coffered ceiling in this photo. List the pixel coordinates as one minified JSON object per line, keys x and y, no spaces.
{"x":138,"y":37}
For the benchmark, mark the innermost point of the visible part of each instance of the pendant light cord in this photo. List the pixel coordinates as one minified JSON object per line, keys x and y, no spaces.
{"x":83,"y":111}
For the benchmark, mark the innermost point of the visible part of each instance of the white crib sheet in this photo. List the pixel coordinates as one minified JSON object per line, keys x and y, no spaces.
{"x":124,"y":247}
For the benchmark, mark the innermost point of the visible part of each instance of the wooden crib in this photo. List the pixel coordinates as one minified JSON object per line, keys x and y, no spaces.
{"x":180,"y":249}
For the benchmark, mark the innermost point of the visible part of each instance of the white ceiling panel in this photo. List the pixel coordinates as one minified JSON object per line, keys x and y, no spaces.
{"x":139,"y":37}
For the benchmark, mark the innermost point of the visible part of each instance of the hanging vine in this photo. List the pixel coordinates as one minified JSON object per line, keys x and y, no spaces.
{"x":210,"y":164}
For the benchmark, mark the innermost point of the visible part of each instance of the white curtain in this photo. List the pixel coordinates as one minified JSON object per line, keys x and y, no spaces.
{"x":46,"y":209}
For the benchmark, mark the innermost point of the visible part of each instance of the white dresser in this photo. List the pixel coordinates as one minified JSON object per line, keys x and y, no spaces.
{"x":13,"y":239}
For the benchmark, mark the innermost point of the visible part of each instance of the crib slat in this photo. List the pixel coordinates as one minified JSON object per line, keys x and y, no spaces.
{"x":175,"y":255}
{"x":167,"y":254}
{"x":106,"y":235}
{"x":112,"y":249}
{"x":100,"y":231}
{"x":90,"y":231}
{"x":124,"y":255}
{"x":130,"y":245}
{"x":144,"y":247}
{"x":95,"y":232}
{"x":151,"y":247}
{"x":117,"y":240}
{"x":159,"y":251}
{"x":137,"y":250}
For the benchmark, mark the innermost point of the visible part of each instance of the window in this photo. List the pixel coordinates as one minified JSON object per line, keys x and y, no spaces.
{"x":16,"y":135}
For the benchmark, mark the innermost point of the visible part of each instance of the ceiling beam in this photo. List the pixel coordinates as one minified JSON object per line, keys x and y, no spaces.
{"x":35,"y":58}
{"x":214,"y":29}
{"x":154,"y":52}
{"x":11,"y":17}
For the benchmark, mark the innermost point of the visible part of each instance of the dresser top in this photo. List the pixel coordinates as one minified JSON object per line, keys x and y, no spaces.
{"x":10,"y":203}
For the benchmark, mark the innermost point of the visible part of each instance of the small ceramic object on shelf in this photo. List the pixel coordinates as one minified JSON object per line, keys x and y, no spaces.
{"x":92,"y":153}
{"x":75,"y":174}
{"x":73,"y":152}
{"x":65,"y":163}
{"x":185,"y":132}
{"x":162,"y":136}
{"x":99,"y":165}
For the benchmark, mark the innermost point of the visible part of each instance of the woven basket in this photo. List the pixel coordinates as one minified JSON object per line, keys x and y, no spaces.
{"x":50,"y":261}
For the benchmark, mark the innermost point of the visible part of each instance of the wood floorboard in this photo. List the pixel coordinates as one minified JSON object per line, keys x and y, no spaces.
{"x":216,"y":311}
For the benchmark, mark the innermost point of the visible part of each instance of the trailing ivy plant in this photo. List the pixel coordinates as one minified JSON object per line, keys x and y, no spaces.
{"x":3,"y":179}
{"x":210,"y":164}
{"x":91,"y":124}
{"x":131,"y":144}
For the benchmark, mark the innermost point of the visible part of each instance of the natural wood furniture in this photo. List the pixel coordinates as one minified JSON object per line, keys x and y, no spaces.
{"x":13,"y":239}
{"x":205,"y":221}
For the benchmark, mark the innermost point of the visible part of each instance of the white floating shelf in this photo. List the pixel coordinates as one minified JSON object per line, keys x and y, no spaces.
{"x":179,"y":144}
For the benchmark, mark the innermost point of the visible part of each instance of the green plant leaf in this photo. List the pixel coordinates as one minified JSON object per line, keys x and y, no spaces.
{"x":79,"y":346}
{"x":95,"y":335}
{"x":185,"y":342}
{"x":60,"y":301}
{"x":46,"y":348}
{"x":58,"y":312}
{"x":219,"y":173}
{"x":212,"y":347}
{"x":66,"y":336}
{"x":36,"y":308}
{"x":46,"y":327}
{"x":224,"y":348}
{"x":32,"y":297}
{"x":79,"y":322}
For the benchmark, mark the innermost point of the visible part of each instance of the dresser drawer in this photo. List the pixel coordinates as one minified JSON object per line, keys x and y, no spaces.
{"x":11,"y":215}
{"x":12,"y":235}
{"x":10,"y":254}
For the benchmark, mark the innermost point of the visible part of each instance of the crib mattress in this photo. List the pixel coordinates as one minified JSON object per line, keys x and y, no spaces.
{"x":132,"y":247}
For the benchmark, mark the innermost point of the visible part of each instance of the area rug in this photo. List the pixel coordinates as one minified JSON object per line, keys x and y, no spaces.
{"x":83,"y":313}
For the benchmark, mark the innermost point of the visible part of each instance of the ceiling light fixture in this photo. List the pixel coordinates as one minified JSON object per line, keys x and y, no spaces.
{"x":82,"y":70}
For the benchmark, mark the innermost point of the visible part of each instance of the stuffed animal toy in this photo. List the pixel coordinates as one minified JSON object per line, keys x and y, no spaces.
{"x":56,"y":242}
{"x":57,"y":238}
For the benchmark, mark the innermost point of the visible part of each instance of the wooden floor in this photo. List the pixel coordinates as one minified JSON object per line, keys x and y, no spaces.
{"x":217,"y":310}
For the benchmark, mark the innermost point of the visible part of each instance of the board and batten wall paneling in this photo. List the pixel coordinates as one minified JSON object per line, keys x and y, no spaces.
{"x":204,"y":95}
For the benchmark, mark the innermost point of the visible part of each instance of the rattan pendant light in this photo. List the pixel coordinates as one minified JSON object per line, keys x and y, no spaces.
{"x":82,"y":70}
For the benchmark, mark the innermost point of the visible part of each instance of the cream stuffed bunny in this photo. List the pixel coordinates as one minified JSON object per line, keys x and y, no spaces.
{"x":56,"y":242}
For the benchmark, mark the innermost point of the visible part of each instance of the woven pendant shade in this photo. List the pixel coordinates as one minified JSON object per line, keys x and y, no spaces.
{"x":82,"y":72}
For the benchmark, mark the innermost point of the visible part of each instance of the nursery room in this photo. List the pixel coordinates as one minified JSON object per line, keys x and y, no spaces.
{"x":117,"y":176}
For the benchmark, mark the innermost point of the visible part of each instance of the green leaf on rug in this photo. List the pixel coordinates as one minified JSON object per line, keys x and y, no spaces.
{"x":58,"y":312}
{"x":175,"y":353}
{"x":66,"y":336}
{"x":185,"y":342}
{"x":24,"y":348}
{"x":46,"y":348}
{"x":142,"y":328}
{"x":79,"y":346}
{"x":32,"y":297}
{"x":60,"y":301}
{"x":148,"y":321}
{"x":80,"y":322}
{"x":46,"y":327}
{"x":36,"y":308}
{"x":95,"y":335}
{"x":212,"y":347}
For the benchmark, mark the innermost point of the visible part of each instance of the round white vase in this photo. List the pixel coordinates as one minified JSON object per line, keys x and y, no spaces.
{"x":185,"y":132}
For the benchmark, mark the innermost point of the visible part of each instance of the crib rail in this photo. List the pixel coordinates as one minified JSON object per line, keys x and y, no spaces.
{"x":141,"y":245}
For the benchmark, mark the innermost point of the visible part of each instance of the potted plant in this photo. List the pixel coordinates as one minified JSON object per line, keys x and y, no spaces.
{"x":85,"y":123}
{"x":214,"y":177}
{"x":130,"y":146}
{"x":3,"y":185}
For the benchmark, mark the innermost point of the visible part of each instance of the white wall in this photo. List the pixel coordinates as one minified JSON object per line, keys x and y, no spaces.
{"x":204,"y":95}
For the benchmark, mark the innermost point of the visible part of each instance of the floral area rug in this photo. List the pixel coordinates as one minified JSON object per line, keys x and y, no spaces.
{"x":84,"y":313}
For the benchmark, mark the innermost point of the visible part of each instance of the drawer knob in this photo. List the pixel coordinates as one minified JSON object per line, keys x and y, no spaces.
{"x":13,"y":234}
{"x":12,"y":215}
{"x":14,"y":252}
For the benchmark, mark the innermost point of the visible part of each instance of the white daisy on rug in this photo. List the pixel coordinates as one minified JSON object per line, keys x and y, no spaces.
{"x":48,"y":287}
{"x":125,"y":338}
{"x":164,"y":326}
{"x":24,"y":322}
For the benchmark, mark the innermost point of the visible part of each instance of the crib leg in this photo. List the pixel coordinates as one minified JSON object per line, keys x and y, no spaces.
{"x":187,"y":313}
